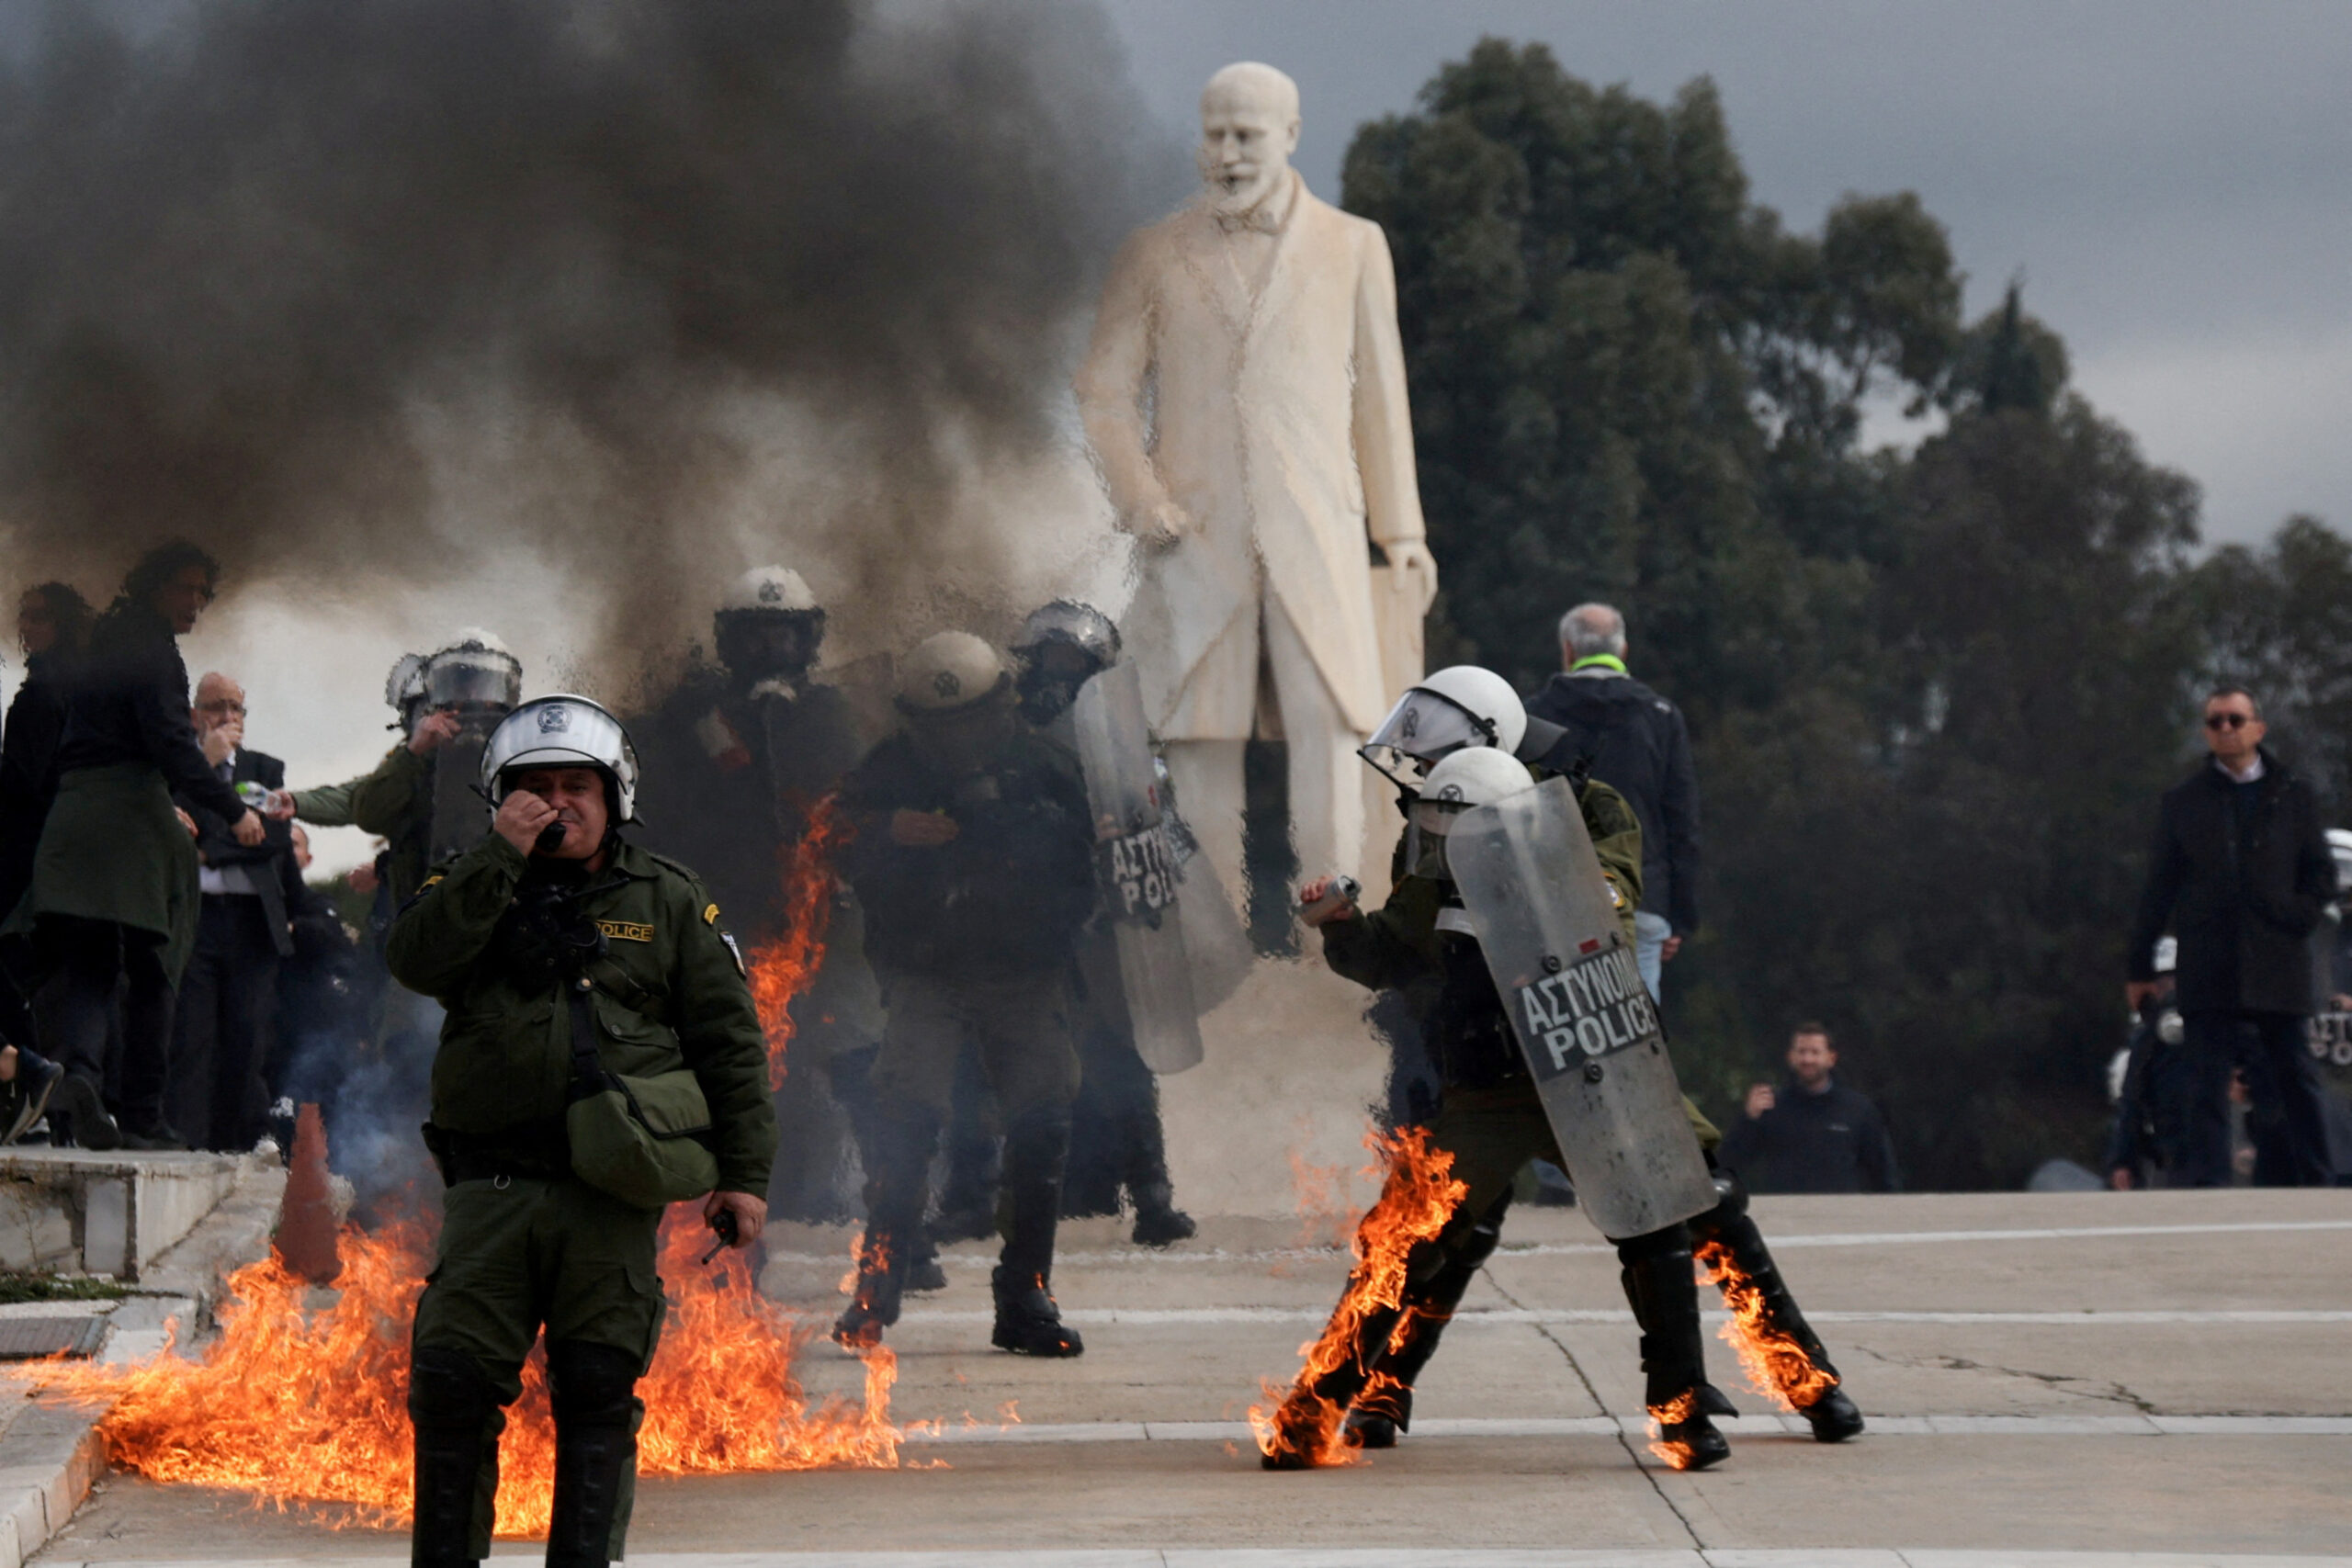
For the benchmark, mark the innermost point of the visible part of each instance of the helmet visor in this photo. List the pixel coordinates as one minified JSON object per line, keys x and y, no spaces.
{"x":1423,"y":726}
{"x":476,"y":678}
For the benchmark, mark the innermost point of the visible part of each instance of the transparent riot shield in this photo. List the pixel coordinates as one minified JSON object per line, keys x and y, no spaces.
{"x":1546,"y":921}
{"x":460,"y":814}
{"x":1136,"y":867}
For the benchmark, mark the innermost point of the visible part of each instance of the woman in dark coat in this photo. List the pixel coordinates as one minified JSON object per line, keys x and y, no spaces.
{"x":113,"y":898}
{"x":52,"y":624}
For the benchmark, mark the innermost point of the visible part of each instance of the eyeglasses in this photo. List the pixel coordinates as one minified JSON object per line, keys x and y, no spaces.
{"x":220,"y":705}
{"x":2226,"y":720}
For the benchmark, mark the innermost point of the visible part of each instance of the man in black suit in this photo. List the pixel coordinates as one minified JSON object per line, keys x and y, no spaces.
{"x":227,"y":1001}
{"x":2241,"y":869}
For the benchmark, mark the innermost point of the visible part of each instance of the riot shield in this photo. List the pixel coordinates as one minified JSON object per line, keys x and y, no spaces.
{"x":1136,"y":868}
{"x":460,"y":814}
{"x":1546,"y":918}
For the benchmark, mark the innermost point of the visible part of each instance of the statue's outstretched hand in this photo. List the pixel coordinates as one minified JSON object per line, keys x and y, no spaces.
{"x":1411,"y":558}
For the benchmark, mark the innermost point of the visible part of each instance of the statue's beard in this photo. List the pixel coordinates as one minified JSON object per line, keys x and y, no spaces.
{"x":1245,"y":194}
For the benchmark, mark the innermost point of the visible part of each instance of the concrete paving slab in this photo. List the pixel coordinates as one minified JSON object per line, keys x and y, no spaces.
{"x":2150,"y":1381}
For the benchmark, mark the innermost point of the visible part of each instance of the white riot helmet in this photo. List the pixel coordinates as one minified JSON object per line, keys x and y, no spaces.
{"x":562,"y":731}
{"x":1473,"y":776}
{"x":778,"y":589}
{"x":406,"y":684}
{"x":475,"y":671}
{"x":1462,"y":706}
{"x":950,"y":670}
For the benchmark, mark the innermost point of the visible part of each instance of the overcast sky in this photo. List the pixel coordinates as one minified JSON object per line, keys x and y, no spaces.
{"x":2174,"y":180}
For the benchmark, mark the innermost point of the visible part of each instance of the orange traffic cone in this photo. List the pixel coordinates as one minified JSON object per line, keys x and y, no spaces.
{"x":306,"y":1243}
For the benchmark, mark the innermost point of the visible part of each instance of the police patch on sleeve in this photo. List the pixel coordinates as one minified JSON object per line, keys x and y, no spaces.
{"x":710,"y":915}
{"x":733,"y":950}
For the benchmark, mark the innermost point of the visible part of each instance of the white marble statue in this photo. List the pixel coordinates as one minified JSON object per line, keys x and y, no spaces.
{"x":1244,"y":393}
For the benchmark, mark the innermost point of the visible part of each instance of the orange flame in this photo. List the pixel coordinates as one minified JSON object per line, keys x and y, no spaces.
{"x":780,"y":969}
{"x":1777,"y":1366}
{"x":1673,"y":1413}
{"x":1417,"y":1195}
{"x":292,"y":1405}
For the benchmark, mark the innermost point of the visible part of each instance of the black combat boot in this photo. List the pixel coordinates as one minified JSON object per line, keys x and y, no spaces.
{"x":1385,"y":1407}
{"x":923,"y":1271}
{"x":1832,"y":1416}
{"x":592,"y":1390}
{"x":1159,"y":1222}
{"x":1658,"y":1282}
{"x":1027,"y":1321}
{"x":454,"y":1412}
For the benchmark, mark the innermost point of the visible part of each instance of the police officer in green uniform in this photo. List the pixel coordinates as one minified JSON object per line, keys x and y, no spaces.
{"x":1491,"y":1118}
{"x":601,"y":1057}
{"x":1467,"y":707}
{"x":474,"y":681}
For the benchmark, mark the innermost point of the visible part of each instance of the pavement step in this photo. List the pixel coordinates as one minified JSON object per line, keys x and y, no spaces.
{"x":1311,"y":1557}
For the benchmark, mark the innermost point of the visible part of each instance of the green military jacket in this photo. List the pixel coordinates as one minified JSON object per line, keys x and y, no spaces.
{"x":395,"y":802}
{"x":669,"y":993}
{"x":1398,"y":947}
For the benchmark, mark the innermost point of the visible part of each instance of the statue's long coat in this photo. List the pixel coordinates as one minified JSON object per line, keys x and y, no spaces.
{"x":1281,"y":425}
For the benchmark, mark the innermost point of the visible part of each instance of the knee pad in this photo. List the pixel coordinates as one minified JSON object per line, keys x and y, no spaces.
{"x":592,"y":1384}
{"x":449,"y":1388}
{"x":1636,"y":1249}
{"x":1037,"y":1144}
{"x":1731,"y":1203}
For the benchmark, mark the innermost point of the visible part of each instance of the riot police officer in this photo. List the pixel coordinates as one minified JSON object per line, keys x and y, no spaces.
{"x":744,"y":752}
{"x":601,"y":1057}
{"x":973,"y":858}
{"x":1491,"y":1118}
{"x":1465,"y":706}
{"x":1116,"y":1140}
{"x":421,"y":798}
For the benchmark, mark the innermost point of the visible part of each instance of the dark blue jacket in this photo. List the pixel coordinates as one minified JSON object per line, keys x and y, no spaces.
{"x":1640,"y":746}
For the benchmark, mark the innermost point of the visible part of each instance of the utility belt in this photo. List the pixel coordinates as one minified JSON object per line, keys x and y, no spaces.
{"x":541,"y":1150}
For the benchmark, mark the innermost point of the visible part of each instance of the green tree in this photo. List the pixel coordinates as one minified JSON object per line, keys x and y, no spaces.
{"x":2280,"y":621}
{"x":1933,"y":695}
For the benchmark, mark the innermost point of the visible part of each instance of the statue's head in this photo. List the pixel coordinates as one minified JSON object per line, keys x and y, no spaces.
{"x":1249,"y":129}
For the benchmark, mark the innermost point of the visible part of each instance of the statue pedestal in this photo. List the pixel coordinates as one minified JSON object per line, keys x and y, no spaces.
{"x":1291,"y":1069}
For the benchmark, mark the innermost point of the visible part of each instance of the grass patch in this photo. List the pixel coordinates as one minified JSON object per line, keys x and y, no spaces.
{"x":16,"y":1287}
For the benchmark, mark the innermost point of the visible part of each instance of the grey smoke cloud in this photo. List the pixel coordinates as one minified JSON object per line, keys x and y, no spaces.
{"x":365,"y":296}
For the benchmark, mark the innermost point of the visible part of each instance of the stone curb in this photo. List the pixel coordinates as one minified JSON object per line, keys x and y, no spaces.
{"x":48,"y":1459}
{"x":51,"y":1453}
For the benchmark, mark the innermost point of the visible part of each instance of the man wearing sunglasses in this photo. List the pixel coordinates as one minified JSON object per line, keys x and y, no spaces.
{"x":2240,"y":869}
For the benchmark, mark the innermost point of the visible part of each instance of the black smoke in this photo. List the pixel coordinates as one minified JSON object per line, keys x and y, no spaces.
{"x":265,"y":262}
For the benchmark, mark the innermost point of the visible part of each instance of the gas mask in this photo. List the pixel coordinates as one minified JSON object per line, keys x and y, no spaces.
{"x":968,"y":740}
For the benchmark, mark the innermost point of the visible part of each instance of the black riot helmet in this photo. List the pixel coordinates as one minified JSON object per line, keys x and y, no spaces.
{"x":768,"y":627}
{"x":1061,"y":647}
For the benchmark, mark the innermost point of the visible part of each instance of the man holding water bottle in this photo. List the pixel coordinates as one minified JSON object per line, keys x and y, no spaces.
{"x":250,"y":895}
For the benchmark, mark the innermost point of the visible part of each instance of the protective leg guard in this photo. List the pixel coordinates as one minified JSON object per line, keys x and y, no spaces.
{"x":1656,"y":1273}
{"x":1830,"y":1413}
{"x":454,"y":1410}
{"x":1385,"y":1407}
{"x":893,"y":1227}
{"x":1027,"y":1321}
{"x":592,"y":1390}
